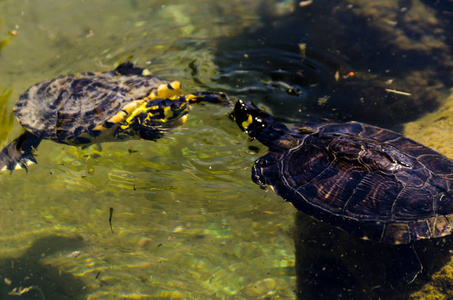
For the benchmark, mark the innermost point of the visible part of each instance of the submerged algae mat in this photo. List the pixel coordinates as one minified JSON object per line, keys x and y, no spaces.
{"x":434,"y":129}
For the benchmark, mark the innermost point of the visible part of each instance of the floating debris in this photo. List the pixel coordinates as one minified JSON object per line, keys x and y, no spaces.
{"x":178,"y":229}
{"x":75,"y":254}
{"x":20,"y":290}
{"x":398,"y":92}
{"x":110,"y":219}
{"x":302,"y":49}
{"x":305,"y":3}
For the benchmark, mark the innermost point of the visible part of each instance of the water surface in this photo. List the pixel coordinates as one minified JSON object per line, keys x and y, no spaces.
{"x":187,"y":220}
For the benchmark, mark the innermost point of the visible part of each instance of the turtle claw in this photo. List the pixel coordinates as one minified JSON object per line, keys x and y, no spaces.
{"x":24,"y":163}
{"x":19,"y":153}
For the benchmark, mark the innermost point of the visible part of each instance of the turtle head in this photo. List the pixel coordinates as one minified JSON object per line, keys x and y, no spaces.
{"x":153,"y":118}
{"x":258,"y":123}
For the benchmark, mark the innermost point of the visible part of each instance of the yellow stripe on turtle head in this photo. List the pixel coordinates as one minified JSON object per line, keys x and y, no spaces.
{"x":247,"y":122}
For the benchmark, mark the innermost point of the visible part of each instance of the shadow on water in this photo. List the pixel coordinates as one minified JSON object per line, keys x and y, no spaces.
{"x":300,"y":64}
{"x":332,"y":264}
{"x":25,"y":277}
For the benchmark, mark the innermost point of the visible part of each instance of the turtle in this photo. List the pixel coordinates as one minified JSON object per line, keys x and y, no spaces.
{"x":91,"y":108}
{"x":371,"y":182}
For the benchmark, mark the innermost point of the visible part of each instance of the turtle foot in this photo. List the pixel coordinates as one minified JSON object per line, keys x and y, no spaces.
{"x":19,"y":153}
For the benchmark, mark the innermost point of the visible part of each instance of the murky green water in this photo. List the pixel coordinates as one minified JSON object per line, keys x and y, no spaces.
{"x":187,"y":220}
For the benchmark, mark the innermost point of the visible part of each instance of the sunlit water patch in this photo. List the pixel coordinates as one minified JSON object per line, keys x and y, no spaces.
{"x":186,"y":217}
{"x":186,"y":220}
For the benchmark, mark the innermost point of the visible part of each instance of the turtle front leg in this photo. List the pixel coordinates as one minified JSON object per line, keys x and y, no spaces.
{"x":19,"y":153}
{"x":150,"y":120}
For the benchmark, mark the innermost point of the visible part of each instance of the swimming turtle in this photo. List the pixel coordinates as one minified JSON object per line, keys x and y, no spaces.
{"x":90,"y":108}
{"x":371,"y":182}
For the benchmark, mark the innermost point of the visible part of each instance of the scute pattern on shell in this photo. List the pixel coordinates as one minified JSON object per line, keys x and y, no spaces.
{"x":369,"y":181}
{"x":59,"y":108}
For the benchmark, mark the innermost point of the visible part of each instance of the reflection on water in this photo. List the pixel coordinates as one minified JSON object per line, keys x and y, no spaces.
{"x":188,"y":222}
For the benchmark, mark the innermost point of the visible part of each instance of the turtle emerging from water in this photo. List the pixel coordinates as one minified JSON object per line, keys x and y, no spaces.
{"x":366,"y":180}
{"x":371,"y":182}
{"x":90,"y":108}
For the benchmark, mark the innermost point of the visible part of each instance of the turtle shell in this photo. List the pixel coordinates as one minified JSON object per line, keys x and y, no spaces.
{"x":62,"y":108}
{"x":368,"y":181}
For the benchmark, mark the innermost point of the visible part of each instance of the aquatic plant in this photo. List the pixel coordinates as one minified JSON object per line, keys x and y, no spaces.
{"x":6,"y":40}
{"x":6,"y":115}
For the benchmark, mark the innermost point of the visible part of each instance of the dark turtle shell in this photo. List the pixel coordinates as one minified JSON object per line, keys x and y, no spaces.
{"x":371,"y":182}
{"x":61,"y":108}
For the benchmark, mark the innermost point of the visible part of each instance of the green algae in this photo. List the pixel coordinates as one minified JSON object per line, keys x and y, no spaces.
{"x":6,"y":39}
{"x":434,"y":129}
{"x":6,"y":115}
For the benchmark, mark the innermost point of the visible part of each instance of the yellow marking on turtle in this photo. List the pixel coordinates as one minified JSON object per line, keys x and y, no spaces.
{"x":131,"y":107}
{"x":247,"y":122}
{"x":181,"y":120}
{"x":328,"y":193}
{"x":168,"y":113}
{"x":146,"y":72}
{"x":191,"y":98}
{"x":100,"y":127}
{"x":167,"y":91}
{"x":118,"y":118}
{"x":138,"y":110}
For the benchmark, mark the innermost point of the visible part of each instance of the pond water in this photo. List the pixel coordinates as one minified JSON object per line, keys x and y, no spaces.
{"x":187,"y":221}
